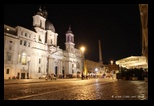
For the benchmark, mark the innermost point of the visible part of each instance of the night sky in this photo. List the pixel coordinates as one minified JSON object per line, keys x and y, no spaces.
{"x":116,"y":25}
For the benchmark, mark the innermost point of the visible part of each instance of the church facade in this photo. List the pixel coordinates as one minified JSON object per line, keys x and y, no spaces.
{"x":35,"y":53}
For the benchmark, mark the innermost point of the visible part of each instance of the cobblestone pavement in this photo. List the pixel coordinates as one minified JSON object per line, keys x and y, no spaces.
{"x":95,"y":89}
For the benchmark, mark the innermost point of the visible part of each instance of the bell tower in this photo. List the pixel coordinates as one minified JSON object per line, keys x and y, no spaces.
{"x":69,"y":40}
{"x":39,"y":25}
{"x":39,"y":19}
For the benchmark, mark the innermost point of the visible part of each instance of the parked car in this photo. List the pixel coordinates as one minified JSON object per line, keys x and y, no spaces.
{"x":42,"y":77}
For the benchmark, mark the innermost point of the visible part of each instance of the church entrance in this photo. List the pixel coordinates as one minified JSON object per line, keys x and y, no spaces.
{"x":22,"y":75}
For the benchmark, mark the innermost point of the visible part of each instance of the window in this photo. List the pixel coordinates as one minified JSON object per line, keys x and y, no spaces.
{"x":9,"y":56}
{"x":73,"y":71}
{"x":20,"y":42}
{"x":51,"y":41}
{"x":29,"y":36}
{"x":7,"y":71}
{"x":28,"y":44}
{"x":72,"y":68}
{"x":21,"y":32}
{"x":39,"y":60}
{"x":10,"y":47}
{"x":72,"y":65}
{"x":26,"y":34}
{"x":41,"y":23}
{"x":23,"y":59}
{"x":78,"y":65}
{"x":39,"y":70}
{"x":24,"y":43}
{"x":40,"y":38}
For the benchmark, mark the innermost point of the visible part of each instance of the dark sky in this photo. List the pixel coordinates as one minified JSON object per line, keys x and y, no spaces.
{"x":116,"y":25}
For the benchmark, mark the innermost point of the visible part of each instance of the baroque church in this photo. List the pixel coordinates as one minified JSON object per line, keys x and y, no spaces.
{"x":35,"y":53}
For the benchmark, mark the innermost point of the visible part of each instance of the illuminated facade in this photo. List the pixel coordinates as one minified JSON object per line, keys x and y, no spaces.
{"x":34,"y":53}
{"x":133,"y":62}
{"x":94,"y":67}
{"x":144,"y":22}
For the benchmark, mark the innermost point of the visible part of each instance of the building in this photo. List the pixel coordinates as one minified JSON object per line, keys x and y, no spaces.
{"x":34,"y":53}
{"x":144,"y":22}
{"x":113,"y":68}
{"x":93,"y":68}
{"x":133,"y":62}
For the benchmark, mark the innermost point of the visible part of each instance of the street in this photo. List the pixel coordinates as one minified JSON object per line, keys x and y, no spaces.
{"x":91,"y":89}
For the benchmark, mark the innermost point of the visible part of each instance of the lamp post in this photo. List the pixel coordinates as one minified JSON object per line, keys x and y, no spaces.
{"x":28,"y":75}
{"x":82,"y":50}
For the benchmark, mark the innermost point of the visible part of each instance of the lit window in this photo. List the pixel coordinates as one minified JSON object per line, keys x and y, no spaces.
{"x":7,"y":71}
{"x":7,"y":29}
{"x":23,"y":59}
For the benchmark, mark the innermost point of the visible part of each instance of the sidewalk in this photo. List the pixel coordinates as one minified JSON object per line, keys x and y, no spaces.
{"x":22,"y":81}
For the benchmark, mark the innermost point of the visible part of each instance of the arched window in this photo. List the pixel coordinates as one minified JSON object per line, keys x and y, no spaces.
{"x":23,"y":60}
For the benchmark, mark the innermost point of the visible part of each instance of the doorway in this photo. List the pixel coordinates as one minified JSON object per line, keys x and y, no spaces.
{"x":56,"y":70}
{"x":22,"y":75}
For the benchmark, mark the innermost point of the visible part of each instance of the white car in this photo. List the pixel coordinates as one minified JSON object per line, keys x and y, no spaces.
{"x":42,"y":77}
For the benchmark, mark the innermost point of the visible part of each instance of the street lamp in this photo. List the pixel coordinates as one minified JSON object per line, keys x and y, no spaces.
{"x":111,"y":61}
{"x":82,"y":50}
{"x":96,"y":71}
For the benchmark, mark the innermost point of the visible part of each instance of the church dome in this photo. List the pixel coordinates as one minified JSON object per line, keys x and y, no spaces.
{"x":49,"y":26}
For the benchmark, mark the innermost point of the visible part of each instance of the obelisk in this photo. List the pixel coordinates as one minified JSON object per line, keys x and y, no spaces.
{"x":100,"y":54}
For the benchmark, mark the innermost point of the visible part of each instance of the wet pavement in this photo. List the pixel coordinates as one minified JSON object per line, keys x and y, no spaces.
{"x":75,"y":89}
